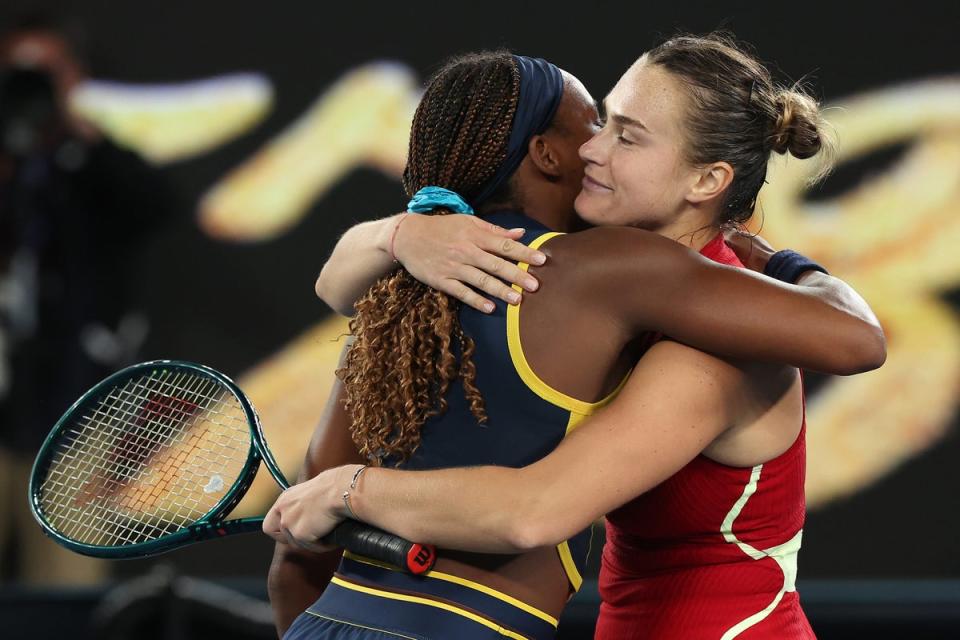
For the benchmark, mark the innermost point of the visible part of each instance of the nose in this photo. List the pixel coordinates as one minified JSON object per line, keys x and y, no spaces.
{"x":591,"y":150}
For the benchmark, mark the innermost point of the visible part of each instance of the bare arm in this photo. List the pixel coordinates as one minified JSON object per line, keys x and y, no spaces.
{"x":821,"y":324}
{"x":297,"y":576}
{"x":360,"y":258}
{"x":442,"y":251}
{"x":675,"y":403}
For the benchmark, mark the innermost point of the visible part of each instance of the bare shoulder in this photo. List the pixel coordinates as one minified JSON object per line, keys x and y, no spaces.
{"x":620,"y":243}
{"x":618,"y":255}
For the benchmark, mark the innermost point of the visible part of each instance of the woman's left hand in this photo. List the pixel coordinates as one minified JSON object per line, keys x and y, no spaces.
{"x":306,"y":512}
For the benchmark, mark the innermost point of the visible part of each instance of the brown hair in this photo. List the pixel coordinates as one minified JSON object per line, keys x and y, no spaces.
{"x":408,"y":343}
{"x":737,"y":114}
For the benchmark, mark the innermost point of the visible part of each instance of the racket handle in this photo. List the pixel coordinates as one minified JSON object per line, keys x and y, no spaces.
{"x":371,"y":542}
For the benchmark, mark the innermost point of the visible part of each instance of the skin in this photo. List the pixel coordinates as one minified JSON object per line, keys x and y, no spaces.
{"x":636,"y":174}
{"x":734,"y":412}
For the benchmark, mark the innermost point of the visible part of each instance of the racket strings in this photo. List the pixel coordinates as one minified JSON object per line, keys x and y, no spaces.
{"x":92,"y":471}
{"x":155,"y":429}
{"x":152,"y":456}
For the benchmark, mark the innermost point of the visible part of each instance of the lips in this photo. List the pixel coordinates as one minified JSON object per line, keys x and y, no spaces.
{"x":590,"y":184}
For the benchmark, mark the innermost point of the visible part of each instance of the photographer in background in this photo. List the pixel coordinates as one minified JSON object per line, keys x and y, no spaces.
{"x":73,"y":208}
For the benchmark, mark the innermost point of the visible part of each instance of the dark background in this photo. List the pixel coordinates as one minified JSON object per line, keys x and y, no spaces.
{"x":243,"y":301}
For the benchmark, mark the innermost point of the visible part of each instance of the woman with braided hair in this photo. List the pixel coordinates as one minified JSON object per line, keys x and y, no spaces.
{"x":686,"y":558}
{"x":408,"y":394}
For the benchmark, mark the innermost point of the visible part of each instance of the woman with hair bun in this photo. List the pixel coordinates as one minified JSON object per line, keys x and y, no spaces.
{"x":699,"y":462}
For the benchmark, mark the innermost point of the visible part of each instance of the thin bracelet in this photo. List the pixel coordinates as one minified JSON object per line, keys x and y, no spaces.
{"x":346,"y":503}
{"x":393,"y":236}
{"x":353,"y":485}
{"x":356,"y":476}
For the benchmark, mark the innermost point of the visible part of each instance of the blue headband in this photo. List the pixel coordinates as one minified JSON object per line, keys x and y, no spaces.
{"x":541,"y":89}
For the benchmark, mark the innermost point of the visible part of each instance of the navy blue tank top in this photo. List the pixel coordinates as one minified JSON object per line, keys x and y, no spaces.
{"x":526,"y":418}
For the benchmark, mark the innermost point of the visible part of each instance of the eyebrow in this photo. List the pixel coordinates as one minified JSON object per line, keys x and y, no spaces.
{"x":621,"y":119}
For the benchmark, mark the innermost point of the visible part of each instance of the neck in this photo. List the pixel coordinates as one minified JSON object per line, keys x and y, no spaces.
{"x":556,"y":216}
{"x":693,"y":228}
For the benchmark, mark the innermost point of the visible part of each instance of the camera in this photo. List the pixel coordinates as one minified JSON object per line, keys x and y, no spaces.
{"x":29,"y":113}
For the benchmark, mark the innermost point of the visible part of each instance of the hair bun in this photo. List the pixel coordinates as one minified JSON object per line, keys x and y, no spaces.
{"x":799,"y":126}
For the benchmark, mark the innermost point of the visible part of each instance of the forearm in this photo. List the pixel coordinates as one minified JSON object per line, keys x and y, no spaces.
{"x":672,"y":406}
{"x":821,"y":324}
{"x":866,"y":344}
{"x":481,"y":509}
{"x":360,"y":258}
{"x":749,"y":317}
{"x":296,"y":579}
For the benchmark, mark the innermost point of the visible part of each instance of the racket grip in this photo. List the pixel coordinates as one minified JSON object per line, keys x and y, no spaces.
{"x":371,"y":542}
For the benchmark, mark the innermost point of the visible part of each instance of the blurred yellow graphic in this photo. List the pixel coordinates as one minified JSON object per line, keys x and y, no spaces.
{"x":364,"y":119}
{"x":168,"y":123}
{"x":896,"y":238}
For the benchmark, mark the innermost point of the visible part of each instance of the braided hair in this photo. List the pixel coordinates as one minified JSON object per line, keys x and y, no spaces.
{"x":408,"y":343}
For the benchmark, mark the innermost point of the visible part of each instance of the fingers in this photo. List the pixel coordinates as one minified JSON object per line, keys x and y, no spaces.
{"x":500,"y":270}
{"x":271,"y":525}
{"x":511,"y":249}
{"x":497,"y":230}
{"x":457,"y":254}
{"x":503,"y":242}
{"x":304,"y":542}
{"x":464,"y":294}
{"x":490,"y":284}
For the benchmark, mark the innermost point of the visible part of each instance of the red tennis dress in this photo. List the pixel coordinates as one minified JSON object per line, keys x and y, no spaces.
{"x":710,"y":553}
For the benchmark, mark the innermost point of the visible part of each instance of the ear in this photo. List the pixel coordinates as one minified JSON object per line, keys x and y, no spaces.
{"x":544,"y":157}
{"x":710,"y":181}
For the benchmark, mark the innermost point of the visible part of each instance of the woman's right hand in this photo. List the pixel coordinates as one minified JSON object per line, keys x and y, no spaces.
{"x":450,"y":252}
{"x":752,"y":250}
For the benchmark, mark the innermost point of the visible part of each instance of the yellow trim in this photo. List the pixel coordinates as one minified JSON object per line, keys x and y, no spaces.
{"x":531,"y":379}
{"x":577,"y":418}
{"x":578,"y":409}
{"x":430,"y":603}
{"x":566,"y":558}
{"x":448,"y":577}
{"x":359,"y":626}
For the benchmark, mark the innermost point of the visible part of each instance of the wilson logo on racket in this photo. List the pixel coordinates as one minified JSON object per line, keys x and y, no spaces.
{"x":421,"y":559}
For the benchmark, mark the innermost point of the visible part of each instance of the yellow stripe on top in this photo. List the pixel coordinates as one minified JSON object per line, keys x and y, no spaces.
{"x":390,"y":595}
{"x":531,"y":379}
{"x":570,"y":565}
{"x":578,"y":409}
{"x":476,"y":586}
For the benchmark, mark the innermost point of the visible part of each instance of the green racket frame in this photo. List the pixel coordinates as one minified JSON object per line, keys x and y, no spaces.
{"x":208,"y":527}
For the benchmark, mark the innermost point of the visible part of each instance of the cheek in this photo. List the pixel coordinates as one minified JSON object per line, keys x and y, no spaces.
{"x":649,"y":179}
{"x":594,"y":208}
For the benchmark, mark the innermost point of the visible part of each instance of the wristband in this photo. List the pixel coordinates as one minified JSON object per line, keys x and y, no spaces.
{"x":788,"y":266}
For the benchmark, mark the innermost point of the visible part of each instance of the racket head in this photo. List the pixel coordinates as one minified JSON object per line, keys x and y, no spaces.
{"x":149,"y":459}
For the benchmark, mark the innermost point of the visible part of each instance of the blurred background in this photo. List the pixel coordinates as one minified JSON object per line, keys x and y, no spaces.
{"x":172,"y":177}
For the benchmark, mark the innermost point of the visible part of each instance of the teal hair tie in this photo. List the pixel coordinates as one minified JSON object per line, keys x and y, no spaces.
{"x":430,"y":198}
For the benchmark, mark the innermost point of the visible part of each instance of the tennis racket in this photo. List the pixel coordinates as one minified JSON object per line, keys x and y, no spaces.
{"x":155,"y":457}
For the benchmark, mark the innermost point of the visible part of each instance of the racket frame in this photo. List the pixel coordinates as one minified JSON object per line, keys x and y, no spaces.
{"x":210,"y":525}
